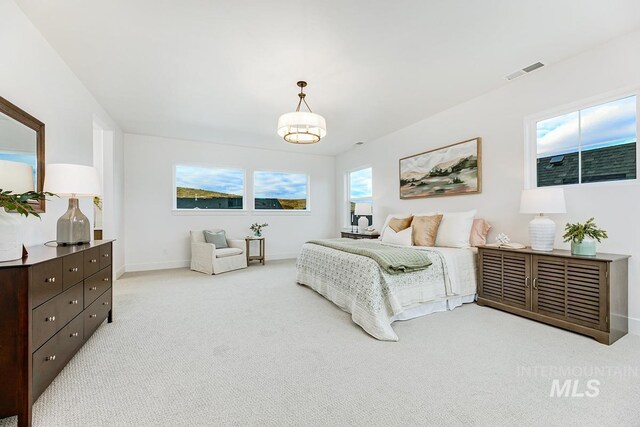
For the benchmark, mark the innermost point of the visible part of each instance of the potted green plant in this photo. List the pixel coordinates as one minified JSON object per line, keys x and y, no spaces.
{"x":10,"y":240}
{"x":583,"y":237}
{"x":257,"y":229}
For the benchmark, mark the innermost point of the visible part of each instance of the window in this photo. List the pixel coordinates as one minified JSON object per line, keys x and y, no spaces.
{"x":281,"y":191}
{"x":360,"y":191}
{"x":593,"y":144}
{"x":199,"y":187}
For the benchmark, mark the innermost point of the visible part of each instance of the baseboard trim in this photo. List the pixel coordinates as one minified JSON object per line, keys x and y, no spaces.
{"x":166,"y":265}
{"x":283,"y":255}
{"x":634,"y":326}
{"x":149,"y":266}
{"x":119,"y":272}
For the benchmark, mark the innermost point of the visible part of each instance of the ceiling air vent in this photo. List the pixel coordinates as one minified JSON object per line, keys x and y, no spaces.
{"x":525,"y":70}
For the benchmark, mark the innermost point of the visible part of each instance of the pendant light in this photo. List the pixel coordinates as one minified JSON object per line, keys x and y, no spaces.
{"x":302,"y":127}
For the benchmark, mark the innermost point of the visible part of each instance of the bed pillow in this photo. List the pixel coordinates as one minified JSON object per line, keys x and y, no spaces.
{"x":455,"y":229}
{"x":425,"y":230}
{"x":218,"y":238}
{"x":479,"y":231}
{"x":399,"y":224}
{"x":402,"y":238}
{"x":389,"y":218}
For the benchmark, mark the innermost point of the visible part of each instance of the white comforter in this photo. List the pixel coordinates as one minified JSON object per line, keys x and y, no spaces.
{"x":359,"y":286}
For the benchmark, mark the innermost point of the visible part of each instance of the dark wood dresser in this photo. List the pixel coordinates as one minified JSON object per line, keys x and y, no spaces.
{"x":50,"y":304}
{"x":588,"y":295}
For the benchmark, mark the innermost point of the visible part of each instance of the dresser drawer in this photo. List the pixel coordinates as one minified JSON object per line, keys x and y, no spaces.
{"x":105,"y":255}
{"x":49,"y":360}
{"x":95,"y":286}
{"x":46,"y":281}
{"x":72,"y":270}
{"x":95,"y":314}
{"x":91,"y":261}
{"x":55,"y":313}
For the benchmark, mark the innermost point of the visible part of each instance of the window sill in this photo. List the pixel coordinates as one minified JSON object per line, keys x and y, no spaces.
{"x":208,"y":212}
{"x":620,"y":183}
{"x":270,"y":212}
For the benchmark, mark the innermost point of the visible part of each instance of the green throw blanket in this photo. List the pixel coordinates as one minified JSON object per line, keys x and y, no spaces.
{"x":393,"y":260}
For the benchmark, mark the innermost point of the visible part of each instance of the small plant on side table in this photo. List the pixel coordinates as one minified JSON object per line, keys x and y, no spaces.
{"x":583,"y":237}
{"x":257,"y":229}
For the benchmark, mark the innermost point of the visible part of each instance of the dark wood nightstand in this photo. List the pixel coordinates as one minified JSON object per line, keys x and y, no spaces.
{"x":365,"y":235}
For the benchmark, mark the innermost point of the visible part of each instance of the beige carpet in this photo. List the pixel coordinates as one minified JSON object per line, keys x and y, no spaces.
{"x":253,"y":348}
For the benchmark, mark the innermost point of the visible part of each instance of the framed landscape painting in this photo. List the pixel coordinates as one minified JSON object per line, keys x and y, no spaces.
{"x":448,"y":171}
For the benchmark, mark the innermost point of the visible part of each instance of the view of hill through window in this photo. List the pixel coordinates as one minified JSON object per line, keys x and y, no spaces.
{"x":199,"y":187}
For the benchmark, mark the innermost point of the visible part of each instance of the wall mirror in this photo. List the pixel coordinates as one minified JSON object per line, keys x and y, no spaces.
{"x":22,"y":140}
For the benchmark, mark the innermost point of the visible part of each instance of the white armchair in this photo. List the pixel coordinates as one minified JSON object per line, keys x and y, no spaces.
{"x":208,"y":259}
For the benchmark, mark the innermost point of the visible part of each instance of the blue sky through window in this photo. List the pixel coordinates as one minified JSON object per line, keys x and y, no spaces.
{"x":604,"y":125}
{"x":280,"y":185}
{"x":230,"y":181}
{"x":360,"y":184}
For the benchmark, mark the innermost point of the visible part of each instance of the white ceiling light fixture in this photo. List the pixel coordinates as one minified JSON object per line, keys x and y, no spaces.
{"x":302,"y":127}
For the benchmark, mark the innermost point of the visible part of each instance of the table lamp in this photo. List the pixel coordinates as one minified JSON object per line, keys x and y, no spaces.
{"x":18,"y":178}
{"x":542,"y":230}
{"x":72,"y":181}
{"x":362,"y":209}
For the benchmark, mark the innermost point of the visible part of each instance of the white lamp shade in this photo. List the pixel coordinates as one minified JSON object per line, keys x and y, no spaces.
{"x":16,"y":177}
{"x":543,"y":200}
{"x":301,"y":127}
{"x":363,"y":209}
{"x":71,"y":180}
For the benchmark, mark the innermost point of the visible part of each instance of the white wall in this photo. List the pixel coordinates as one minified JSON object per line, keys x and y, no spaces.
{"x":498,"y":117}
{"x":158,"y":237}
{"x":36,"y":79}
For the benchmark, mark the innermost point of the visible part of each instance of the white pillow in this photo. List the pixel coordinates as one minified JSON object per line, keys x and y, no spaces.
{"x":402,"y":238}
{"x":389,"y":218}
{"x":455,"y":229}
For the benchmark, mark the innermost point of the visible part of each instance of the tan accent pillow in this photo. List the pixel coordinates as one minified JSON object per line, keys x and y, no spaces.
{"x":479,"y":231}
{"x":425,"y":230}
{"x":399,"y":224}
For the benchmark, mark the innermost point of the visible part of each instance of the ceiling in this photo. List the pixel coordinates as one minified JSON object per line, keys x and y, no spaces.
{"x":223,"y":71}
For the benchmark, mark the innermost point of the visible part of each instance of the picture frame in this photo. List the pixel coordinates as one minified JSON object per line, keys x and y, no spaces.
{"x":452,"y":170}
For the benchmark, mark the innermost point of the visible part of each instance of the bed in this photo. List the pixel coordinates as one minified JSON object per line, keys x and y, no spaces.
{"x":375,"y":298}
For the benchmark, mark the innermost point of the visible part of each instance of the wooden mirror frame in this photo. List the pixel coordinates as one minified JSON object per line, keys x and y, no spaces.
{"x":31,"y":122}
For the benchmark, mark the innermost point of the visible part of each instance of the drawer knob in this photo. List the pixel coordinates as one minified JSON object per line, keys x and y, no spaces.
{"x":93,"y":261}
{"x":75,"y":334}
{"x":106,"y":255}
{"x":73,"y":269}
{"x":106,"y":279}
{"x":73,"y":301}
{"x":50,"y":319}
{"x":93,"y":316}
{"x":105,"y":303}
{"x":50,"y":358}
{"x":50,"y":280}
{"x":93,"y":288}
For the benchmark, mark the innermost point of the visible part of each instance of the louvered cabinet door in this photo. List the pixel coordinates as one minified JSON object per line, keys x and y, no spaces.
{"x":587,"y":292}
{"x":571,"y":290}
{"x":549,"y":286}
{"x":506,"y":278}
{"x":490,"y":286}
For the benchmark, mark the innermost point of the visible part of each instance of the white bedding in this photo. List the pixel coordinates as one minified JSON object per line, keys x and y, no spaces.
{"x":376,"y":298}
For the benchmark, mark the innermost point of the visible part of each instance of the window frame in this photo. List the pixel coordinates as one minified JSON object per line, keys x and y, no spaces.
{"x":347,"y":193}
{"x":180,"y":211}
{"x":531,"y":140}
{"x":255,"y":211}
